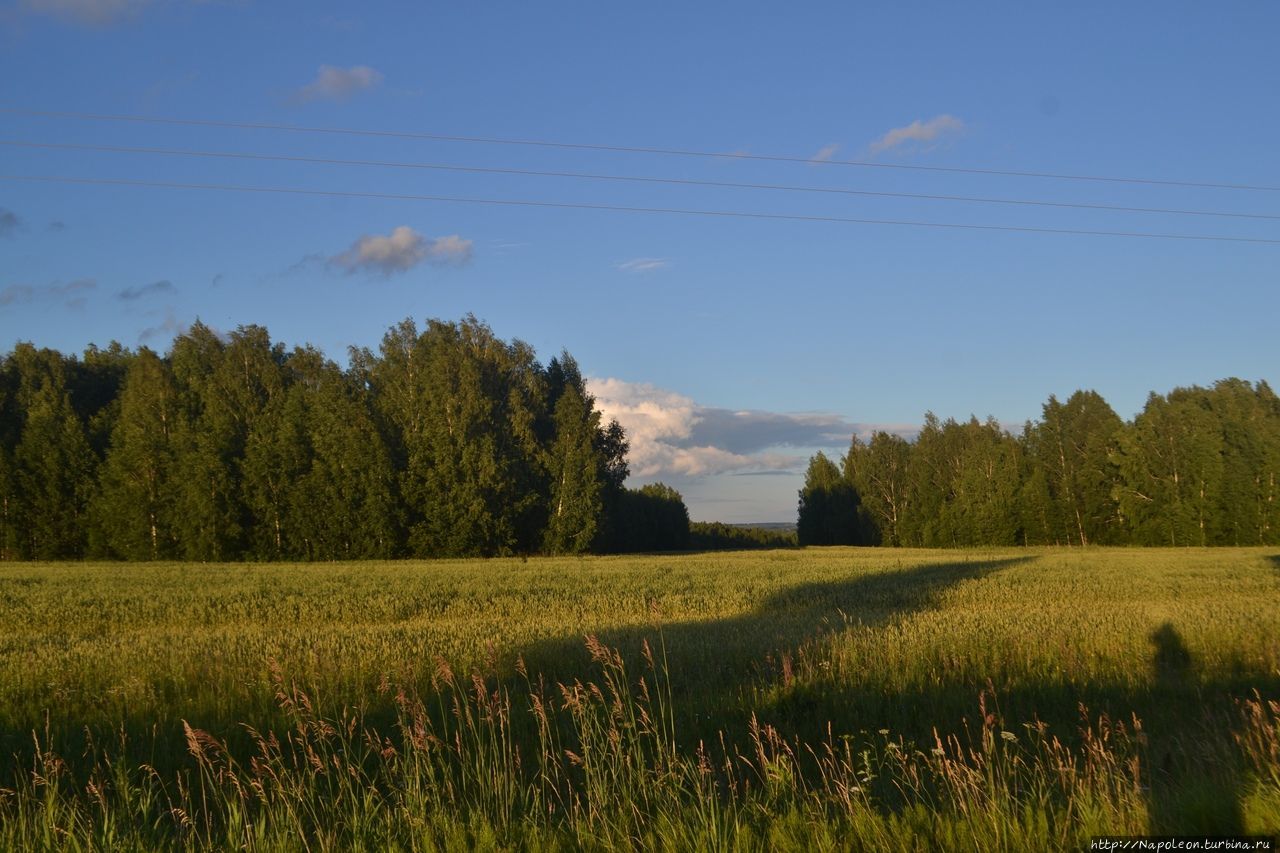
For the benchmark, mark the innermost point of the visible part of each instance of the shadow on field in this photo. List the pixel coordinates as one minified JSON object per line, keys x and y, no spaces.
{"x":1184,"y":794}
{"x":726,"y":670}
{"x":1191,"y":769}
{"x":1275,"y":560}
{"x":717,"y":665}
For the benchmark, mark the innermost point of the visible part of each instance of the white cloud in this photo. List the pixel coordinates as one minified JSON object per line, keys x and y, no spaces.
{"x":449,"y":250}
{"x":825,"y":153}
{"x":338,"y":84}
{"x":672,"y":436}
{"x":400,"y":251}
{"x":92,"y":12}
{"x":643,"y":264}
{"x":918,"y":131}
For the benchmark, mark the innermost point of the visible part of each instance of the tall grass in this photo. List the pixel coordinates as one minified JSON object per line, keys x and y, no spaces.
{"x":603,"y":771}
{"x":828,"y":700}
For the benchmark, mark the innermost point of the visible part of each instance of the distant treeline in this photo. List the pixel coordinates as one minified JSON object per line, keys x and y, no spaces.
{"x":1198,"y":466}
{"x":446,"y":442}
{"x":718,"y":536}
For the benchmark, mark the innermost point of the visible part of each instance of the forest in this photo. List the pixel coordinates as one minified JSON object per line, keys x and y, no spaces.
{"x":446,"y":442}
{"x":449,"y":441}
{"x":1197,"y":466}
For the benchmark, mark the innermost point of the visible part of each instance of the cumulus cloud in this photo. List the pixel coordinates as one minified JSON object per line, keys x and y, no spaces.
{"x":90,"y":12}
{"x":643,"y":264}
{"x":400,"y":251}
{"x":825,"y":153}
{"x":9,"y":222}
{"x":673,"y":436}
{"x":75,"y":292}
{"x":129,"y":294}
{"x":339,"y":84}
{"x":918,"y":131}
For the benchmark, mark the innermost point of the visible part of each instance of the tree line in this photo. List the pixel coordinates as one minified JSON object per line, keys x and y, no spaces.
{"x":1197,"y":466}
{"x":447,"y":441}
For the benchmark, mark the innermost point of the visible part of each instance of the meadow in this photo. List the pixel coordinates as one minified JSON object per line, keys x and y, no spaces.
{"x":824,"y":698}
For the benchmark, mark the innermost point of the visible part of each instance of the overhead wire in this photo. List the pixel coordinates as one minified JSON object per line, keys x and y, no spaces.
{"x":293,"y":158}
{"x":629,"y":149}
{"x":630,"y":209}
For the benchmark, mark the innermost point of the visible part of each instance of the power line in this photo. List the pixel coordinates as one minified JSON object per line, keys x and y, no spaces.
{"x":626,"y":149}
{"x":333,"y":161}
{"x":625,"y":209}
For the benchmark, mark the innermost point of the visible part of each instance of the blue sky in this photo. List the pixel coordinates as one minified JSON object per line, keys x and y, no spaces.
{"x":733,"y":346}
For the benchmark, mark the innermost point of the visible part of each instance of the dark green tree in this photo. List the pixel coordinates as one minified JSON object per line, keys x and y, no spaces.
{"x":877,"y":470}
{"x":223,"y":388}
{"x":132,"y":509}
{"x":573,"y":462}
{"x":318,"y":477}
{"x":472,"y":469}
{"x":1170,"y":464}
{"x":53,"y":465}
{"x":653,"y":518}
{"x":1075,"y":445}
{"x":829,"y":510}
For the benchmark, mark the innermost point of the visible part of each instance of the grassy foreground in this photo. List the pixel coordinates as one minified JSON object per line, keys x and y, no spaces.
{"x":823,"y":699}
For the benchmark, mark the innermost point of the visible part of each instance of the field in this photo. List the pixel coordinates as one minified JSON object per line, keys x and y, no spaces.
{"x":820,"y":698}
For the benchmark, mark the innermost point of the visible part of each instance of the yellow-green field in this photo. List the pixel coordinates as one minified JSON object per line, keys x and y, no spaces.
{"x":819,"y":698}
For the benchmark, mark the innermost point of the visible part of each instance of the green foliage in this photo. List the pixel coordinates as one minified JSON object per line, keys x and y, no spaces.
{"x":878,"y":472}
{"x":52,"y":463}
{"x":132,"y":508}
{"x":830,"y":509}
{"x":1074,"y":444}
{"x":451,"y":441}
{"x":573,"y":466}
{"x":1199,"y":467}
{"x":718,"y":536}
{"x":1196,"y":467}
{"x":651,"y":518}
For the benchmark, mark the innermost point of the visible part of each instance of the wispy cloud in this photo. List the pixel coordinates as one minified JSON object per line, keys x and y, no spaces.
{"x":75,"y":292}
{"x":87,"y":12}
{"x":918,"y":131}
{"x":400,"y":251}
{"x":9,"y":222}
{"x":130,"y":294}
{"x":339,"y":84}
{"x":169,"y":327}
{"x":825,"y":153}
{"x":643,"y":264}
{"x":17,"y":294}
